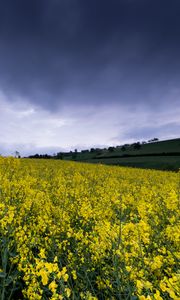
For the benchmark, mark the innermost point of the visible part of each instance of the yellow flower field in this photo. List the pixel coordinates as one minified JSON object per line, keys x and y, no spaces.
{"x":78,"y":231}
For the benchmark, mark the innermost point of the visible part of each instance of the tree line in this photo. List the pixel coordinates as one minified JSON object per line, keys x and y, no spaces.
{"x":96,"y":151}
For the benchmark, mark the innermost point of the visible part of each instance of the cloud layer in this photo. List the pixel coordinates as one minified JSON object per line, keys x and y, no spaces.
{"x":69,"y":65}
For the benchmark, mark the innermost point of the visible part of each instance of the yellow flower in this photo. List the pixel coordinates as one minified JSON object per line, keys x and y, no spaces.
{"x":139,"y":285}
{"x":157,"y":296}
{"x":53,"y":286}
{"x":148,"y":285}
{"x":42,"y":253}
{"x":142,"y":297}
{"x":56,"y":259}
{"x":172,"y":294}
{"x":68,"y":292}
{"x":157,"y":263}
{"x":64,"y":270}
{"x":59,"y":275}
{"x":65,"y":277}
{"x":74,"y":274}
{"x":163,"y":286}
{"x":44,"y":275}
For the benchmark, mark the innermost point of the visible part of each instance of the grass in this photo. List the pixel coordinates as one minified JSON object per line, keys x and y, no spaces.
{"x":171,"y":163}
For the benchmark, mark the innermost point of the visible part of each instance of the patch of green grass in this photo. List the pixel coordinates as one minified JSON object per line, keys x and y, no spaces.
{"x":147,"y":162}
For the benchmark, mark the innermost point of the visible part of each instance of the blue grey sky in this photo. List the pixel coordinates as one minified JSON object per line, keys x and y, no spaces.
{"x":94,"y":73}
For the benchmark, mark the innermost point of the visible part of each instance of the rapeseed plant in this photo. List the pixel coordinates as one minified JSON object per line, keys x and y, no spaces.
{"x":77,"y":231}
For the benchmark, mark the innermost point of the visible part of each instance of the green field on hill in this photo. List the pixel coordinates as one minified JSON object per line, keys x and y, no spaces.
{"x":163,"y":155}
{"x":171,"y":163}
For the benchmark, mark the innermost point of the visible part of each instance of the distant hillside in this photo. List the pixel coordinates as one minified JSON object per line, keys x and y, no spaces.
{"x":156,"y":155}
{"x":159,"y":147}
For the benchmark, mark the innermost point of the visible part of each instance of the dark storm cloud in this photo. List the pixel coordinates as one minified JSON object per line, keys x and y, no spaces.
{"x":74,"y":51}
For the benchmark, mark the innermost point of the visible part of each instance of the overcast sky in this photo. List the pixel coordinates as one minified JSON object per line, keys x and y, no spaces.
{"x":78,"y":74}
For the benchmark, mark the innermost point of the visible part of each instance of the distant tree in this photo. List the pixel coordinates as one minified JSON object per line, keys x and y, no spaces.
{"x":137,"y":146}
{"x":123,"y":148}
{"x":153,"y":140}
{"x":34,"y":156}
{"x":92,"y":150}
{"x":46,"y":156}
{"x":111,"y":149}
{"x":17,"y":154}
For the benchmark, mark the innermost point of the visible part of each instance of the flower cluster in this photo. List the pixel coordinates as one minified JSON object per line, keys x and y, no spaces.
{"x":79,"y":231}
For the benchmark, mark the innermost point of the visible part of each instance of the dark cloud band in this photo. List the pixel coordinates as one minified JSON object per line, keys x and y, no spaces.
{"x":75,"y":51}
